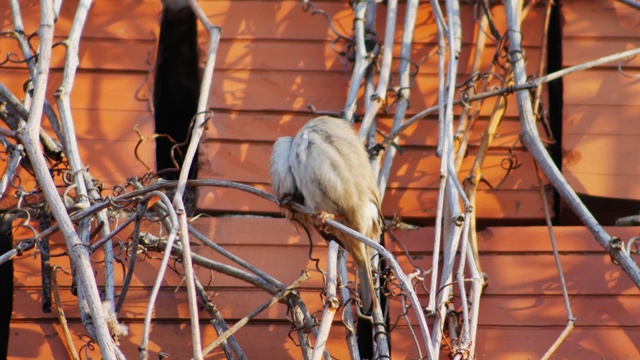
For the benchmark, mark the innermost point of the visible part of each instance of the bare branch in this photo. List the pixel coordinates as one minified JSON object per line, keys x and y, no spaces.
{"x":304,"y":276}
{"x":531,"y":140}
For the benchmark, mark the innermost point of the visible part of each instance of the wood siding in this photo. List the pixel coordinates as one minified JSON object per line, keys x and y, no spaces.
{"x":110,"y":97}
{"x":600,"y":121}
{"x":275,"y":59}
{"x":522,"y":310}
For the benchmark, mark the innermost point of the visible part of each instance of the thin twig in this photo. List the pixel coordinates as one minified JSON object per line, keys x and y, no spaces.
{"x":73,"y":353}
{"x":556,"y":256}
{"x":144,"y":344}
{"x":331,"y":301}
{"x":347,"y":313}
{"x":282,"y":294}
{"x":219,"y":324}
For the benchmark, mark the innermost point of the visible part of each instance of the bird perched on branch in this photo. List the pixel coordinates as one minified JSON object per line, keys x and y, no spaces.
{"x":326,"y":168}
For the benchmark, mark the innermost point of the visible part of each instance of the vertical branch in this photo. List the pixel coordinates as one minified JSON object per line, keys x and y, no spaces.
{"x":530,"y":138}
{"x":443,"y":173}
{"x":62,"y":319}
{"x":14,"y":156}
{"x":25,"y":49}
{"x":82,"y":179}
{"x":556,"y":256}
{"x":196,"y":134}
{"x":331,"y":301}
{"x":45,"y":263}
{"x":469,"y":116}
{"x":475,"y":174}
{"x":449,"y":258}
{"x":362,"y":62}
{"x":387,"y":52}
{"x":29,"y":136}
{"x":144,"y":344}
{"x":403,"y":93}
{"x":347,"y":313}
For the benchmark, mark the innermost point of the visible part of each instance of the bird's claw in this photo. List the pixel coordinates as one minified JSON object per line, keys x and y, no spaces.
{"x":285,"y":200}
{"x":321,"y":220}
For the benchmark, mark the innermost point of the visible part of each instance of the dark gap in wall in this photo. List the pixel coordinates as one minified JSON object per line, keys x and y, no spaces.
{"x":554,"y":63}
{"x":6,"y":285}
{"x":176,"y":86}
{"x":605,"y":210}
{"x":176,"y":90}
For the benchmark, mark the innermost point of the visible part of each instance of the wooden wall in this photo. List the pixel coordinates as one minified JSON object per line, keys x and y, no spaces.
{"x":522,"y":310}
{"x":111,"y":92}
{"x":275,"y":59}
{"x":600,"y":121}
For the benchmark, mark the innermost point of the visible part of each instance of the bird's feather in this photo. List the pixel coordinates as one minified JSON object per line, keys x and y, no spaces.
{"x":329,"y":168}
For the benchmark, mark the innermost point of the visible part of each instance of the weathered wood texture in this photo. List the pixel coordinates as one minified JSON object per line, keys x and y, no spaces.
{"x":111,"y":94}
{"x":522,"y":306}
{"x":275,"y":60}
{"x":600,"y":124}
{"x":522,"y":311}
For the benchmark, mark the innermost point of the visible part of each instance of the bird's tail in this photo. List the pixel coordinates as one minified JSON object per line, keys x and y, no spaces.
{"x":362,"y":258}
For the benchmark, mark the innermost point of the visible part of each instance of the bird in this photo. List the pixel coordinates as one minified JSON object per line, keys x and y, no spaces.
{"x":326,"y":168}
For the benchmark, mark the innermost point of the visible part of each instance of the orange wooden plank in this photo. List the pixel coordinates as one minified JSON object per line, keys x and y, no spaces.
{"x":507,"y":343}
{"x":600,"y":87}
{"x":414,"y":168}
{"x":495,"y":240}
{"x":599,"y":19}
{"x":596,"y":120}
{"x":234,"y":231}
{"x":44,"y":340}
{"x":318,"y":55}
{"x":599,"y":165}
{"x":117,"y":19}
{"x":112,"y":125}
{"x":28,"y":270}
{"x":522,"y":310}
{"x":578,"y":50}
{"x":115,"y":167}
{"x":107,"y":91}
{"x":586,"y":274}
{"x":105,"y":164}
{"x":232,"y":90}
{"x":245,"y":90}
{"x":529,"y":274}
{"x":548,"y":311}
{"x":601,"y":154}
{"x":233,"y":304}
{"x":93,"y":55}
{"x":407,"y":203}
{"x":267,"y":127}
{"x":516,"y":239}
{"x":286,"y":20}
{"x":605,"y":185}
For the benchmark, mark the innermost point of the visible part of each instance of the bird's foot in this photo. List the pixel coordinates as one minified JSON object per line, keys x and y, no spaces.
{"x":285,"y":200}
{"x":321,"y":221}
